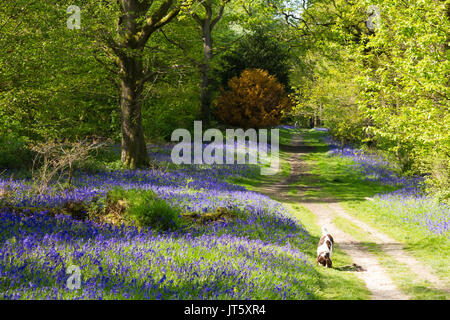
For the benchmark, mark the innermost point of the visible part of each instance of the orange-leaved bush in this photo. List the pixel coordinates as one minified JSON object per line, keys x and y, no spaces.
{"x":255,"y":100}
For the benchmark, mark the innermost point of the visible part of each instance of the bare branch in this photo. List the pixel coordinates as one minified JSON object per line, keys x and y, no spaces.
{"x":55,"y":160}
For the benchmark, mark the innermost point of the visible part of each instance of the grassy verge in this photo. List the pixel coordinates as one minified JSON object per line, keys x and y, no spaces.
{"x":331,"y":284}
{"x":334,"y":284}
{"x":252,"y":183}
{"x":335,"y":178}
{"x":401,"y":275}
{"x":430,"y":249}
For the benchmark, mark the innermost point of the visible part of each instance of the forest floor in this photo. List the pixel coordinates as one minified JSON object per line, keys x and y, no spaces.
{"x":387,"y":270}
{"x":266,"y":253}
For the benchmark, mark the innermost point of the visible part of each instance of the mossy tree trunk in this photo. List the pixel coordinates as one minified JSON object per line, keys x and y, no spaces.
{"x":139,"y":20}
{"x":134,"y":150}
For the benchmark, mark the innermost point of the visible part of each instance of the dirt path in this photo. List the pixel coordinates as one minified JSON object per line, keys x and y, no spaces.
{"x":377,"y":280}
{"x":395,"y":250}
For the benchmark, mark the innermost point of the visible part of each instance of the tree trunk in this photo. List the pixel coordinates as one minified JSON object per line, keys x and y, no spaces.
{"x":134,"y":149}
{"x":139,"y":20}
{"x":316,"y":118}
{"x":205,"y":69}
{"x":320,"y":114}
{"x":207,"y":24}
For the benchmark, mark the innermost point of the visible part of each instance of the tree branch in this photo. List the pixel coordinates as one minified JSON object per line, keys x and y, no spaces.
{"x":162,"y":16}
{"x":220,"y":14}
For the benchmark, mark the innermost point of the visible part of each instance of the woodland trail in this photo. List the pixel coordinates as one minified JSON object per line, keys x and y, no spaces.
{"x":366,"y":264}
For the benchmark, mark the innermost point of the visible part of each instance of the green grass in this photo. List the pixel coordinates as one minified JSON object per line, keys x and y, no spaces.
{"x":335,"y":179}
{"x":334,"y":284}
{"x":331,"y":284}
{"x":402,"y":276}
{"x":331,"y":176}
{"x":252,"y":183}
{"x":430,"y":249}
{"x":144,"y":208}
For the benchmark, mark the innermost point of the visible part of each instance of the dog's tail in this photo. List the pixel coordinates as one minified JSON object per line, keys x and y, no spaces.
{"x":325,"y":231}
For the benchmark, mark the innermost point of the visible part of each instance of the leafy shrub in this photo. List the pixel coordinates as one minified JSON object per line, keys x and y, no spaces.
{"x":14,"y":153}
{"x":439,"y":181}
{"x":255,"y":100}
{"x":102,"y":159}
{"x":257,"y":50}
{"x":170,"y":108}
{"x":144,"y":208}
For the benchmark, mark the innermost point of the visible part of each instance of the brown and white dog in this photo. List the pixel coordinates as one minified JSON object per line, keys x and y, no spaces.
{"x":325,"y":249}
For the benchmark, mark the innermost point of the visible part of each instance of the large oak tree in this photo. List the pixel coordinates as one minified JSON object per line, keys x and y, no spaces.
{"x":138,"y":21}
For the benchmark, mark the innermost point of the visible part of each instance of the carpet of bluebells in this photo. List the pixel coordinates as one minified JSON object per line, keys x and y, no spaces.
{"x":409,"y":202}
{"x":256,"y":257}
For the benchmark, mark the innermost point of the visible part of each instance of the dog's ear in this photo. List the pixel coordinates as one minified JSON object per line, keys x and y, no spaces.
{"x":320,"y":260}
{"x":331,"y":238}
{"x":329,"y":263}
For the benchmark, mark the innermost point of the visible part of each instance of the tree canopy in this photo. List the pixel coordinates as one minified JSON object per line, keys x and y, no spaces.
{"x":373,"y":72}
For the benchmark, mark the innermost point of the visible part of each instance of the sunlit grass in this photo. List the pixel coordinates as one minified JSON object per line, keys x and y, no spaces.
{"x":336,"y":178}
{"x":428,"y":248}
{"x":334,"y":284}
{"x":403,"y":277}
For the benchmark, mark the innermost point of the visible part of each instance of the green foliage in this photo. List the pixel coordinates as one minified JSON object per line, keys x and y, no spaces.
{"x":51,"y":84}
{"x":256,"y":50}
{"x":438,"y":181}
{"x":385,"y":86}
{"x":14,"y":152}
{"x":144,"y":209}
{"x":331,"y":100}
{"x":104,"y":159}
{"x":404,"y":78}
{"x":170,"y":108}
{"x":60,"y":83}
